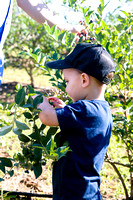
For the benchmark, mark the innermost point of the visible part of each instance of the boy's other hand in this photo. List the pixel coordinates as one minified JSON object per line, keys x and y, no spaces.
{"x":48,"y":114}
{"x":58,"y":103}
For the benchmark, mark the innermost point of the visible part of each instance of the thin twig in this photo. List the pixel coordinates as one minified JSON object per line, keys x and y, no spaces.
{"x":120,"y":177}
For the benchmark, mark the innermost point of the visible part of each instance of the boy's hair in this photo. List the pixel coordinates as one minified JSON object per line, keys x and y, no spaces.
{"x":110,"y":75}
{"x":92,"y":59}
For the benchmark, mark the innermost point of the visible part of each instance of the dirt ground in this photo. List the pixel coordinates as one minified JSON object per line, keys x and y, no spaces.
{"x":26,"y":182}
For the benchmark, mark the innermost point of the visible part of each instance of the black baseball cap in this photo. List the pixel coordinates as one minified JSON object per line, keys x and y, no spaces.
{"x":92,"y":59}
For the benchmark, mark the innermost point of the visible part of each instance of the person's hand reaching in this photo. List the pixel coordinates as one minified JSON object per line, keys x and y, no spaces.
{"x":82,"y":34}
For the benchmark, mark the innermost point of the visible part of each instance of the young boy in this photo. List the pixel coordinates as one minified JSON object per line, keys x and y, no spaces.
{"x":86,"y":123}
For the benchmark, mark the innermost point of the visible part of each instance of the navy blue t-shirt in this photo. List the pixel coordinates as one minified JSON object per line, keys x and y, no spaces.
{"x":87,"y":126}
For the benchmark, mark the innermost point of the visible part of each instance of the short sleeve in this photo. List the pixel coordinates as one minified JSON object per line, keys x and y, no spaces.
{"x":86,"y":118}
{"x":71,"y":116}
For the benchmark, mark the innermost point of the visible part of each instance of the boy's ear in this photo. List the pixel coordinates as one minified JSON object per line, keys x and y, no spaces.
{"x":85,"y":79}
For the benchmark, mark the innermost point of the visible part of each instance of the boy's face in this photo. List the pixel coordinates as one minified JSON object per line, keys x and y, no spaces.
{"x":73,"y":81}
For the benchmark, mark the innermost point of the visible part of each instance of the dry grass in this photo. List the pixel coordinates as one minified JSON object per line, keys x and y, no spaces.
{"x":21,"y":76}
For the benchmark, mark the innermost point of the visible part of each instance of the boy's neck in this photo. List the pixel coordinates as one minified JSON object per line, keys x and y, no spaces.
{"x":96,"y":93}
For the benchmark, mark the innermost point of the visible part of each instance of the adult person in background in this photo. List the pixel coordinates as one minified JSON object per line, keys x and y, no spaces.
{"x":37,"y":10}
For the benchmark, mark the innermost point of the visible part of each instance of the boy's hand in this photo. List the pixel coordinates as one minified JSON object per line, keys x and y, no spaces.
{"x":48,"y":114}
{"x":57,"y":102}
{"x":44,"y":104}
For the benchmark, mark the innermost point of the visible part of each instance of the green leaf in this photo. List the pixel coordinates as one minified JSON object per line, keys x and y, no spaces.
{"x":6,"y":129}
{"x":42,"y":61}
{"x":1,"y":106}
{"x":38,"y":146}
{"x":97,"y":15}
{"x":37,"y":50}
{"x":35,"y":57}
{"x":2,"y":168}
{"x":20,"y":97}
{"x":50,"y":145}
{"x":6,"y":161}
{"x":56,"y":34}
{"x":35,"y":134}
{"x":42,"y":127}
{"x":11,"y":173}
{"x":119,"y":59}
{"x":89,"y":13}
{"x":121,"y":19}
{"x":57,"y":139}
{"x":52,"y":79}
{"x":17,"y":131}
{"x":129,"y":103}
{"x":23,"y":138}
{"x":44,"y":140}
{"x":131,"y":169}
{"x":21,"y":126}
{"x":37,"y":169}
{"x":47,"y":28}
{"x":81,"y":39}
{"x":61,"y":37}
{"x":18,"y":86}
{"x":52,"y":130}
{"x":39,"y":57}
{"x":31,"y":89}
{"x":53,"y":29}
{"x":87,"y":16}
{"x":30,"y":100}
{"x":61,"y":151}
{"x":37,"y":100}
{"x":37,"y":154}
{"x":28,"y":105}
{"x":70,"y":39}
{"x":36,"y":113}
{"x":119,"y":27}
{"x":28,"y":115}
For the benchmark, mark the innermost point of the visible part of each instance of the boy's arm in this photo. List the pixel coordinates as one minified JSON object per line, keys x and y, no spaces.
{"x":48,"y":114}
{"x":39,"y":11}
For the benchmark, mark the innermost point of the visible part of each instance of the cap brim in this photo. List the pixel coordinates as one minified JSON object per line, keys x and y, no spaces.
{"x":58,"y":64}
